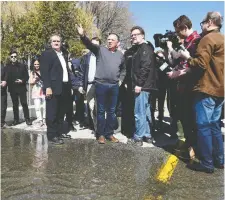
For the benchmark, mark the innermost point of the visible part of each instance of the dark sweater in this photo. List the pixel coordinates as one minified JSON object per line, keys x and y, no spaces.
{"x":110,"y":66}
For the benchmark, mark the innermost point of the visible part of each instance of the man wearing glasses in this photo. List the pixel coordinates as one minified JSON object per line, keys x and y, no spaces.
{"x":209,"y":90}
{"x":143,"y":75}
{"x":16,"y":78}
{"x":57,"y":86}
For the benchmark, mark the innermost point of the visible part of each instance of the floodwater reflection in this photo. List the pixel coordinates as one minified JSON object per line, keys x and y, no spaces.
{"x":82,"y":169}
{"x":79,"y":169}
{"x":41,"y":152}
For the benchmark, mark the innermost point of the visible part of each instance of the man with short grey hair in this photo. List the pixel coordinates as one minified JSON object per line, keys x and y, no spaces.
{"x":57,"y":87}
{"x":209,"y":90}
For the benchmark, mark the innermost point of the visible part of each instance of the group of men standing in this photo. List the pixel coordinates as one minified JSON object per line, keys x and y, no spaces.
{"x":105,"y":70}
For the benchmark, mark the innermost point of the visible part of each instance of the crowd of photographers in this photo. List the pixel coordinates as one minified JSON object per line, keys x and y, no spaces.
{"x":187,"y":71}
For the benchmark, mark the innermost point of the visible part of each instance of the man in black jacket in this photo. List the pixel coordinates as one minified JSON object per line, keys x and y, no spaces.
{"x":57,"y":86}
{"x":143,"y":75}
{"x":17,"y":76}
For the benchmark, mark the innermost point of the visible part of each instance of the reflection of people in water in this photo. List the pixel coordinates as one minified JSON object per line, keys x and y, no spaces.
{"x":41,"y":154}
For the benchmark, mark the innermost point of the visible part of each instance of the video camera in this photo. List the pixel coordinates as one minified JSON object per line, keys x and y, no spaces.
{"x":160,"y":40}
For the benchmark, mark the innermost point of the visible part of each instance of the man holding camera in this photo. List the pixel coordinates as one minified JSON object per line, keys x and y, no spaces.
{"x":17,"y":77}
{"x":143,"y":75}
{"x":57,"y":85}
{"x":183,"y":28}
{"x":209,"y":93}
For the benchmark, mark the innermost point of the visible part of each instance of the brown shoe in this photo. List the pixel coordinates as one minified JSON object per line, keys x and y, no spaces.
{"x":191,"y":153}
{"x":101,"y":140}
{"x":113,"y":139}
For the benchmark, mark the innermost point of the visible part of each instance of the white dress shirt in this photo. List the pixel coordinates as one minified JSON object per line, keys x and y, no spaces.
{"x":92,"y":68}
{"x":63,"y":63}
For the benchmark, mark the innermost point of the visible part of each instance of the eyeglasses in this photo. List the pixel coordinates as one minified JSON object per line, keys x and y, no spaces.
{"x":55,"y":40}
{"x":134,"y":35}
{"x":203,"y":22}
{"x":13,"y":56}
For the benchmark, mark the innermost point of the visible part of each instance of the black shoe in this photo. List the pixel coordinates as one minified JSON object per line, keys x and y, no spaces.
{"x":15,"y":122}
{"x":72,"y":128}
{"x":219,"y":166}
{"x":200,"y":168}
{"x":2,"y":124}
{"x":28,"y":122}
{"x":93,"y":132}
{"x":135,"y":142}
{"x":65,"y":136}
{"x":56,"y":140}
{"x":149,"y":140}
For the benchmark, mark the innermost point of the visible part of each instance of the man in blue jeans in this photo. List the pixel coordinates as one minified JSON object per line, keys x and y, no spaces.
{"x":110,"y":72}
{"x":143,"y":75}
{"x":209,"y":97}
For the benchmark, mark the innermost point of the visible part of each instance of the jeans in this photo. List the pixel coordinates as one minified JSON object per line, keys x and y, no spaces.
{"x":106,"y":97}
{"x":210,"y":143}
{"x":142,"y":116}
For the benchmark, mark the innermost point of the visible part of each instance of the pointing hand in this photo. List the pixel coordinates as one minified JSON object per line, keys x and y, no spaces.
{"x":80,"y":30}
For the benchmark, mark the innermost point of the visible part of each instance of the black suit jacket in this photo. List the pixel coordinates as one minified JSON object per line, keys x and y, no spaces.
{"x":52,"y":71}
{"x":84,"y":69}
{"x":3,"y":78}
{"x":14,"y":72}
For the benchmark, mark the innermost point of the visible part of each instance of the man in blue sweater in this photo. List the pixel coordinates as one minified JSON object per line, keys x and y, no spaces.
{"x":110,"y":72}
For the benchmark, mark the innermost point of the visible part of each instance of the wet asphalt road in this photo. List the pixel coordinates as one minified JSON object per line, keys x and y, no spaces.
{"x":85,"y":170}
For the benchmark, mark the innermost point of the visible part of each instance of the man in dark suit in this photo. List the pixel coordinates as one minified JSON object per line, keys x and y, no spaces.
{"x":17,"y":76}
{"x":57,"y":86}
{"x":3,"y":95}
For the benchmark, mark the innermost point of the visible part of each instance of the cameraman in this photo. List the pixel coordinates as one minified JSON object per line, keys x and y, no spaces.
{"x":163,"y":85}
{"x":185,"y":81}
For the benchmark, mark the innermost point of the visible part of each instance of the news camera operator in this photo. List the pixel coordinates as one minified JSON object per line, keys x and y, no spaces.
{"x":166,"y":61}
{"x":166,"y":87}
{"x":185,"y":81}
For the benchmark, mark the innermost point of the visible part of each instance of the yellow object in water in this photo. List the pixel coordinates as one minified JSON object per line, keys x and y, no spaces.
{"x":167,"y":169}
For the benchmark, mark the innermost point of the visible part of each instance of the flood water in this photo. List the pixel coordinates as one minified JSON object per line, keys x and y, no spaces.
{"x":84,"y":170}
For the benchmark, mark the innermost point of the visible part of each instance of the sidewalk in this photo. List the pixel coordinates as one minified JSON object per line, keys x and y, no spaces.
{"x":160,"y":140}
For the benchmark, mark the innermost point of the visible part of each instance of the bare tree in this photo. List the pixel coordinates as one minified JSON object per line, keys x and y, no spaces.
{"x":111,"y":17}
